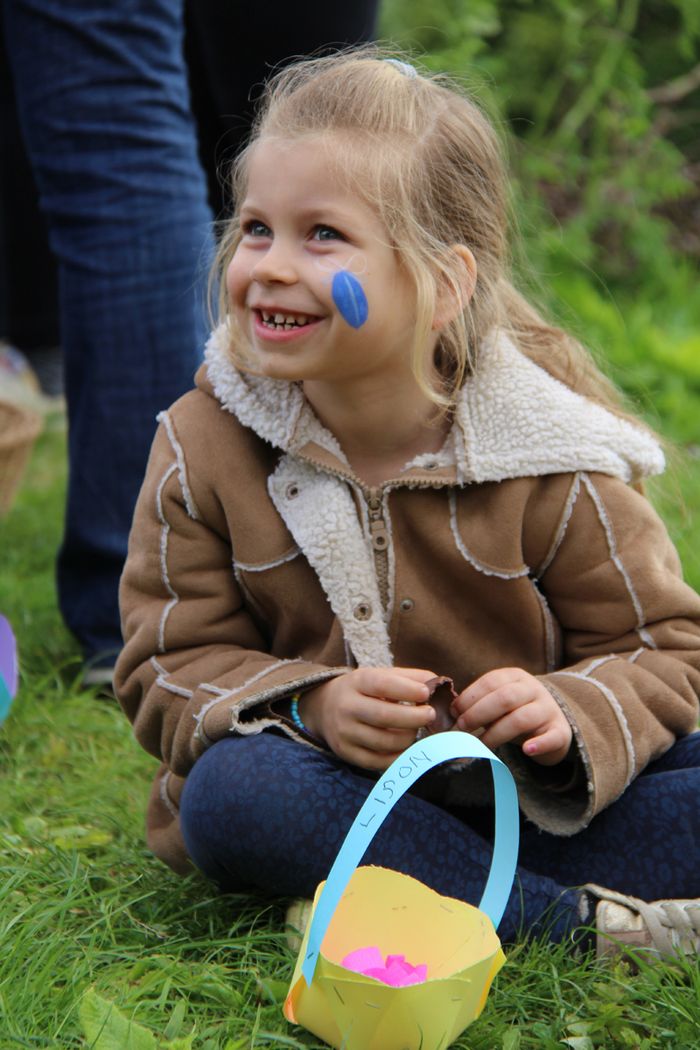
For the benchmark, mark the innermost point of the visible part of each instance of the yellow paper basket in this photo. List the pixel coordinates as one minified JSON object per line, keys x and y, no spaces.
{"x":356,"y":907}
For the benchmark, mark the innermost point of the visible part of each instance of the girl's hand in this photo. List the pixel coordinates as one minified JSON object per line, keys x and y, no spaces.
{"x":369,"y":716}
{"x":511,"y":705}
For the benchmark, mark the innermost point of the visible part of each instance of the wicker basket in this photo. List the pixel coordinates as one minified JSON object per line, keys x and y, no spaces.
{"x":19,"y":429}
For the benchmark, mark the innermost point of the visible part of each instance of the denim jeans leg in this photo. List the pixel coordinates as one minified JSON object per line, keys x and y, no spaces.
{"x":104,"y":103}
{"x":646,"y":843}
{"x":268,"y":813}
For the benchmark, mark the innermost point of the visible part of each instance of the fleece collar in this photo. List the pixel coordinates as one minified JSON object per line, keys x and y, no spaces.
{"x":513,"y":419}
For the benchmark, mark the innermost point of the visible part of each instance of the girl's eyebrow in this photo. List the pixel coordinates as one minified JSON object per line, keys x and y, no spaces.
{"x":249,"y":206}
{"x":326,"y":211}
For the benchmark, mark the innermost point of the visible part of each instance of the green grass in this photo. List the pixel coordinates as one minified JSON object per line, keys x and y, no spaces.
{"x":651,"y":350}
{"x":88,"y":917}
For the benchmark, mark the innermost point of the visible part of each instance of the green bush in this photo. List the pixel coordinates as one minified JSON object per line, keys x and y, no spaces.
{"x":599,"y":105}
{"x":602,"y":100}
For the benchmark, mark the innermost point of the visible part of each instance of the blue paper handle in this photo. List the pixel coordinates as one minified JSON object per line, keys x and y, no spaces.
{"x":401,"y":775}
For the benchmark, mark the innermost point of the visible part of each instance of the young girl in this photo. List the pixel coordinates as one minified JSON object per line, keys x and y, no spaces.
{"x":391,"y":469}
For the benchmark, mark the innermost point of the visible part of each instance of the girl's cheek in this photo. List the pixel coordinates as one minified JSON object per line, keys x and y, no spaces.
{"x":236,"y":283}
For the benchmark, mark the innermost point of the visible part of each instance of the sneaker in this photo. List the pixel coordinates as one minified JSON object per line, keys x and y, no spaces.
{"x":666,"y":928}
{"x":296,"y":921}
{"x":99,"y":678}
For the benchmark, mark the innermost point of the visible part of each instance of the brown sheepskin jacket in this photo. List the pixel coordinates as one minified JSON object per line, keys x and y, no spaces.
{"x":260,"y":565}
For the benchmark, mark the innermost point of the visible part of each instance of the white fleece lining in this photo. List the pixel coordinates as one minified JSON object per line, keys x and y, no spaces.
{"x":617,"y":562}
{"x":504,"y":436}
{"x":514,"y":574}
{"x":322,"y":518}
{"x":548,"y":621}
{"x":261,"y":674}
{"x":165,"y":797}
{"x":170,"y":687}
{"x":276,"y":410}
{"x":281,"y":690}
{"x":229,"y":694}
{"x":207,"y":687}
{"x":241,"y":566}
{"x":164,"y":418}
{"x":251,"y":728}
{"x":164,"y":533}
{"x":277,"y":692}
{"x":162,"y":675}
{"x":444,"y":457}
{"x":309,"y":429}
{"x":619,"y":714}
{"x":198,"y":717}
{"x":599,"y":663}
{"x":391,"y":559}
{"x":270,"y":407}
{"x":571,"y":498}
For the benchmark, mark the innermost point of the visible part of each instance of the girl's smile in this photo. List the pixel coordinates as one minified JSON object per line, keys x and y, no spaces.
{"x":281,"y":326}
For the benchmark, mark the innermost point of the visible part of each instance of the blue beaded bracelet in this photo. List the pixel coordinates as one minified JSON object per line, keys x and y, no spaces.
{"x":294,"y":711}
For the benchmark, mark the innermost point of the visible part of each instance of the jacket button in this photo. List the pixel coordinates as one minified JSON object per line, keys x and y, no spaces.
{"x":407,"y":604}
{"x":292,"y":491}
{"x":362,"y":611}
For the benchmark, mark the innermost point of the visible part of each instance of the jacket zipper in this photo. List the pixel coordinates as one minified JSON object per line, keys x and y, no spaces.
{"x":379,"y":538}
{"x":379,"y":535}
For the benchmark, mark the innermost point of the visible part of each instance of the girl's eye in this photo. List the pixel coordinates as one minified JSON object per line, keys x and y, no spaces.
{"x":255,"y":228}
{"x":327,"y":233}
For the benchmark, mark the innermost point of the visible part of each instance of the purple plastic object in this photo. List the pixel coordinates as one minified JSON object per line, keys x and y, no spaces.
{"x":8,"y":667}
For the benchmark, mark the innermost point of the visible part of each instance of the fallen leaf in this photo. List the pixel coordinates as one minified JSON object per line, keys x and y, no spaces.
{"x":107,"y":1028}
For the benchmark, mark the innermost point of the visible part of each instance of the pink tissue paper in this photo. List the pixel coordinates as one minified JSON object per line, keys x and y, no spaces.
{"x":395,"y":971}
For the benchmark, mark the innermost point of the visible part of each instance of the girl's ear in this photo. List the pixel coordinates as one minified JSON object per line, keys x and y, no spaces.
{"x":454,"y":295}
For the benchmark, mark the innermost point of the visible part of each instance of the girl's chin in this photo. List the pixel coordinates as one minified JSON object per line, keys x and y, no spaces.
{"x":276,"y":366}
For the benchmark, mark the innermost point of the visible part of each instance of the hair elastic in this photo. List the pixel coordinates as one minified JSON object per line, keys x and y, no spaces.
{"x":403,"y":67}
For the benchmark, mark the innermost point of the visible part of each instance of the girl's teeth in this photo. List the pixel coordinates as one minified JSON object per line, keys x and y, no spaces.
{"x":284,"y":320}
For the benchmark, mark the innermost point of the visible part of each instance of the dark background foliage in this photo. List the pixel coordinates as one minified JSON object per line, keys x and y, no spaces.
{"x":603,"y":100}
{"x":599,"y":101}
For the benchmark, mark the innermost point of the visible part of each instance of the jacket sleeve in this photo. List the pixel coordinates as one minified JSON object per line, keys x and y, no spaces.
{"x":194,"y":667}
{"x":628,"y":674}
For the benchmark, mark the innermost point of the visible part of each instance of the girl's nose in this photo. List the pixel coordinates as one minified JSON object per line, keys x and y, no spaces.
{"x":276,"y":265}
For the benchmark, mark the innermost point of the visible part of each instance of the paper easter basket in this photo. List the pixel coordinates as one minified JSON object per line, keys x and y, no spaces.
{"x":356,"y":907}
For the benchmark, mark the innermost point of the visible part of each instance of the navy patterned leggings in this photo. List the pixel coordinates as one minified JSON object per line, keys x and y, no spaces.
{"x":266,"y":813}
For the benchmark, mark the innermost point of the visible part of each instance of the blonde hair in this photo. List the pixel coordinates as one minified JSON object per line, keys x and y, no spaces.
{"x":430,"y":163}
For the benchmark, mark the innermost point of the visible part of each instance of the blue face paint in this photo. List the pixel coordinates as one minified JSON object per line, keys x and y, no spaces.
{"x":350,"y":298}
